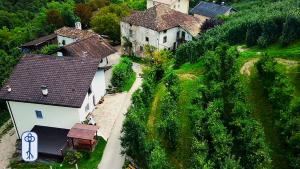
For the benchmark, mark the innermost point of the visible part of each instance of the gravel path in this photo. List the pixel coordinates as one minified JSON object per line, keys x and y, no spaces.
{"x":7,"y":147}
{"x":112,"y":158}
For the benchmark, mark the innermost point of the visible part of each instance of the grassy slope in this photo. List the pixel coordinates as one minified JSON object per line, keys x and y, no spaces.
{"x":188,"y":74}
{"x":262,"y":109}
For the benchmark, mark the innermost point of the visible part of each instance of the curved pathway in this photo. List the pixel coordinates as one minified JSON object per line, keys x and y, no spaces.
{"x":112,"y":158}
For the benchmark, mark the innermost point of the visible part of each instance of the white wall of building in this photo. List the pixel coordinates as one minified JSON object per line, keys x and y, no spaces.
{"x":67,"y":40}
{"x":156,"y":39}
{"x":25,"y":118}
{"x":178,"y":5}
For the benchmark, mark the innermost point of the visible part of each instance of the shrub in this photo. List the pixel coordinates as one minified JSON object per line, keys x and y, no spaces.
{"x":158,"y":159}
{"x":122,"y":73}
{"x":72,"y":157}
{"x":169,"y":128}
{"x":252,"y":34}
{"x":49,"y":49}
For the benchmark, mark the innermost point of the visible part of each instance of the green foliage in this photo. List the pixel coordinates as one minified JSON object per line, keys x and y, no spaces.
{"x":49,"y":49}
{"x":107,"y":20}
{"x":72,"y":157}
{"x":276,"y":85}
{"x":264,"y":20}
{"x":122,"y":73}
{"x":158,"y":159}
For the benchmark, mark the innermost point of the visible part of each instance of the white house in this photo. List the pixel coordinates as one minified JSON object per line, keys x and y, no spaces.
{"x":178,"y":5}
{"x":68,"y":35}
{"x":159,"y":26}
{"x":56,"y":92}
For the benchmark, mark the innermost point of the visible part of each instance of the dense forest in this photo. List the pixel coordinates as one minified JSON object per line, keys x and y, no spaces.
{"x":205,"y":112}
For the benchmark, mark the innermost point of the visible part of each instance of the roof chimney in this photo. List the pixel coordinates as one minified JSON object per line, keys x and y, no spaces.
{"x":78,"y":25}
{"x":44,"y":90}
{"x":8,"y":88}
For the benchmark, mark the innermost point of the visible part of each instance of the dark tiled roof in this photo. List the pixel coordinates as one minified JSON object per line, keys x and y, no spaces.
{"x":74,"y":33}
{"x":40,"y":40}
{"x":67,"y":78}
{"x":92,"y":47}
{"x":210,"y":9}
{"x":160,"y":17}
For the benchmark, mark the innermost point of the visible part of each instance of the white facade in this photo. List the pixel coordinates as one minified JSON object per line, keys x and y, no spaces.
{"x":62,"y":40}
{"x":178,"y":5}
{"x":25,"y":118}
{"x":141,"y":36}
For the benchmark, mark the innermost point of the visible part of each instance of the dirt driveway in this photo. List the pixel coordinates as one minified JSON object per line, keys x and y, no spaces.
{"x":7,"y":147}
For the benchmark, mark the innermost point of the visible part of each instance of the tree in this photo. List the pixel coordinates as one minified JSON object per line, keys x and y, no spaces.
{"x":107,"y":20}
{"x":211,"y":23}
{"x":84,"y":12}
{"x":252,"y":34}
{"x":158,"y":159}
{"x":98,"y":4}
{"x":289,"y":32}
{"x":55,"y":18}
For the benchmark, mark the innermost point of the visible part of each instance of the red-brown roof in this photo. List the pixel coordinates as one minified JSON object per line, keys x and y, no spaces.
{"x":160,"y":17}
{"x":74,"y":33}
{"x":67,"y":78}
{"x":83,"y":131}
{"x":93,"y":47}
{"x":40,"y":40}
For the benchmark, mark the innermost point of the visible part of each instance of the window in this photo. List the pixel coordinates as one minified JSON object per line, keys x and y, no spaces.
{"x":101,"y":61}
{"x":178,"y":0}
{"x":178,"y":6}
{"x":141,"y":48}
{"x":147,"y":39}
{"x":38,"y":114}
{"x":165,"y":39}
{"x":130,"y":33}
{"x":165,"y":31}
{"x":63,"y":42}
{"x":90,"y":91}
{"x":178,"y":34}
{"x":87,"y":107}
{"x":183,"y":35}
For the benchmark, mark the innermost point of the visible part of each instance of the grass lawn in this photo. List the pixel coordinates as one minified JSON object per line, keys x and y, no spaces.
{"x":87,"y":162}
{"x":129,"y":83}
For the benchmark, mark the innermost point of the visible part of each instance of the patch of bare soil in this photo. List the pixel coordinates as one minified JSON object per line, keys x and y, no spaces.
{"x":246,"y":68}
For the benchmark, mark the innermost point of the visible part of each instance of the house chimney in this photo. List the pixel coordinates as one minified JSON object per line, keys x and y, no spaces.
{"x":84,"y":54}
{"x":78,"y":25}
{"x":44,"y":90}
{"x":8,"y":88}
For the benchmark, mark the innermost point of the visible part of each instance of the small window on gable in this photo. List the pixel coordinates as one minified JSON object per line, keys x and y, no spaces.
{"x":165,"y":31}
{"x":39,"y":114}
{"x":63,"y":42}
{"x":130,"y":33}
{"x":101,"y":61}
{"x":165,"y":39}
{"x":147,"y":39}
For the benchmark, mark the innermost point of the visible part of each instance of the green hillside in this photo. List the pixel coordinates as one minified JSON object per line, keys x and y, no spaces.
{"x":222,"y":112}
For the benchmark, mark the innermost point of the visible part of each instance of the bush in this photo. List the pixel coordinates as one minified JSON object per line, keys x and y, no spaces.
{"x":72,"y":157}
{"x":49,"y":49}
{"x":262,"y":42}
{"x":158,"y":159}
{"x":122,"y":73}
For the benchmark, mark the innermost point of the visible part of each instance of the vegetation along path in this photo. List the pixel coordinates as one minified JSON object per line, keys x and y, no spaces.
{"x":262,"y":111}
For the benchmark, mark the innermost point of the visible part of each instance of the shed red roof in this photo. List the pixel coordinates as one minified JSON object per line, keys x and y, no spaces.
{"x":83,"y":131}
